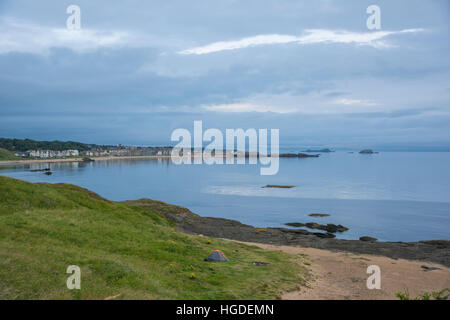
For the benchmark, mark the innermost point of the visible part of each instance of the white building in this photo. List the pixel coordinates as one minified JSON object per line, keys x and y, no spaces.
{"x":72,"y":153}
{"x":52,"y":154}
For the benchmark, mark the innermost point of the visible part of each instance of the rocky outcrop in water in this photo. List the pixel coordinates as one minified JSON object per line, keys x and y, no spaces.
{"x":319,"y":215}
{"x":39,"y":170}
{"x":333,"y":228}
{"x":367,"y":151}
{"x":304,"y":155}
{"x":298,"y":155}
{"x":367,"y":238}
{"x":278,"y":186}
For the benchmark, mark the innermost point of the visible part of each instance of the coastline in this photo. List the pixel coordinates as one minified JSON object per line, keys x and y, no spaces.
{"x":432,"y":251}
{"x":14,"y":162}
{"x":337,"y":268}
{"x":343,"y":276}
{"x":80,"y":159}
{"x":330,"y":268}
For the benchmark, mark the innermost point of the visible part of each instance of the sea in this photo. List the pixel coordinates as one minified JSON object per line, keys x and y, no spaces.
{"x":392,"y":196}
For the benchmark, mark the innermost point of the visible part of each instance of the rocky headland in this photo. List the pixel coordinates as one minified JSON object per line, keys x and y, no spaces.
{"x":436,"y":251}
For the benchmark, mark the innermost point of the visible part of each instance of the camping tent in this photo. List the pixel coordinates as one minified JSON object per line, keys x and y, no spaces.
{"x":217,"y":255}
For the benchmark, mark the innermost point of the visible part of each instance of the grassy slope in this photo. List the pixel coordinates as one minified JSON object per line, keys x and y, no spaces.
{"x":7,"y":155}
{"x":121,"y":249}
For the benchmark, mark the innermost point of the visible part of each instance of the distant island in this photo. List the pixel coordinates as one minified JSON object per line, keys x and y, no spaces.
{"x":367,"y":151}
{"x":325,"y":150}
{"x":277,"y":186}
{"x":297,"y":155}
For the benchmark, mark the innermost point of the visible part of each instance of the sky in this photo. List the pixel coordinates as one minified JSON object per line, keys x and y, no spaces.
{"x":137,"y":70}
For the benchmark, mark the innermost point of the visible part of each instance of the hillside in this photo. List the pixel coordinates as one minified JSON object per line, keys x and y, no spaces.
{"x":123,"y":250}
{"x":28,"y":144}
{"x":7,"y":155}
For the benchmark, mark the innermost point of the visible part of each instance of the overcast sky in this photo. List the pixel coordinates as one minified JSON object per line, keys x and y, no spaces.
{"x":137,"y":70}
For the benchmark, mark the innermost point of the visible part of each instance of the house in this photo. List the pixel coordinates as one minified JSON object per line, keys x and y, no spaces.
{"x":51,"y":153}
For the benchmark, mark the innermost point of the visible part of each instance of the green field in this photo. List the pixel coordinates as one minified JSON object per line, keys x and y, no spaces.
{"x":124,"y":251}
{"x":7,"y":155}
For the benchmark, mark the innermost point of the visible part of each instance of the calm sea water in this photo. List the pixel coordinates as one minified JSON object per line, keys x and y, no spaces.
{"x":393,"y":196}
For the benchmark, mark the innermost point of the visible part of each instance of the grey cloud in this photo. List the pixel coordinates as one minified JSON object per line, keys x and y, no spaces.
{"x":138,"y":91}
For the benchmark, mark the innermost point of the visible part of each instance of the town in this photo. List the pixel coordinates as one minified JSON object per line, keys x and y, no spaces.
{"x":98,"y":151}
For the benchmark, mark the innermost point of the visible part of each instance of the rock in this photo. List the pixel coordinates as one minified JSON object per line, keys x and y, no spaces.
{"x":441,"y":244}
{"x":288,"y":155}
{"x":426,"y":268}
{"x":367,"y":151}
{"x":304,"y":155}
{"x":297,"y":155}
{"x":260,"y":264}
{"x":277,"y":186}
{"x":295,"y":224}
{"x":296,"y":231}
{"x":367,"y":238}
{"x":313,"y":225}
{"x":86,"y":159}
{"x":38,"y":170}
{"x":324,"y":235}
{"x":318,"y":215}
{"x":335,"y":228}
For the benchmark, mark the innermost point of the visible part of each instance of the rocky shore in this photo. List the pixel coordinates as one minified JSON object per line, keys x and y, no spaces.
{"x":436,"y":251}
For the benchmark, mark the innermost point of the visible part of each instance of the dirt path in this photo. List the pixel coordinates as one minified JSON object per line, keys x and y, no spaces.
{"x":341,"y":275}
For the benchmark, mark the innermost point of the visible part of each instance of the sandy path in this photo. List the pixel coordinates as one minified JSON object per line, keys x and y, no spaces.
{"x":341,"y":275}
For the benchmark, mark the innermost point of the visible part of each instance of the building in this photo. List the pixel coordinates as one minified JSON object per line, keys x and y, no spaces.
{"x":44,"y":154}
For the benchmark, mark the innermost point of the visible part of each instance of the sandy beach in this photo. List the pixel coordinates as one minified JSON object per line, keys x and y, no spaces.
{"x":338,"y":268}
{"x":14,"y":162}
{"x":342,"y":275}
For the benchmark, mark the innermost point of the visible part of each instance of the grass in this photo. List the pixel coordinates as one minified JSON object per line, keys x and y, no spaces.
{"x":435,"y":295}
{"x":7,"y":155}
{"x":124,"y":250}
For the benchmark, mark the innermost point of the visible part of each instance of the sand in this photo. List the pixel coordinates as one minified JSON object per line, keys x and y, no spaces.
{"x":52,"y":160}
{"x":342,"y":275}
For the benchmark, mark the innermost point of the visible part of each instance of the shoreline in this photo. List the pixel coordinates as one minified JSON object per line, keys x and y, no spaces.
{"x":431,"y":251}
{"x":337,"y":268}
{"x":30,"y":161}
{"x":343,"y":275}
{"x":103,"y":158}
{"x":334,"y":268}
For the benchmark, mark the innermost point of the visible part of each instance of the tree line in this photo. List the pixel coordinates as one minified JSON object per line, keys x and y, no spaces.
{"x":21,"y":145}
